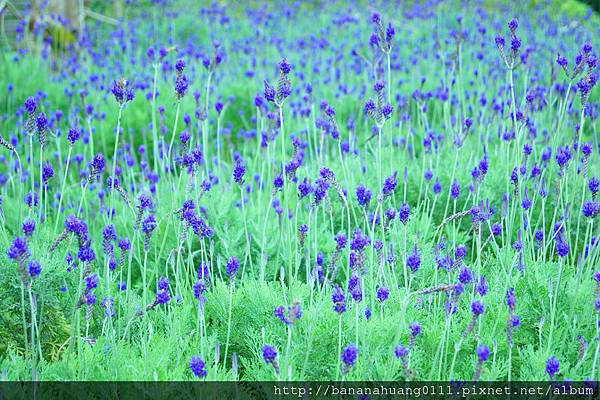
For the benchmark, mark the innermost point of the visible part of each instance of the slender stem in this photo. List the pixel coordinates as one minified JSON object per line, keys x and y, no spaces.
{"x":282,"y":133}
{"x":339,"y":356}
{"x":62,"y":188}
{"x":31,"y":174}
{"x":168,"y":164}
{"x":288,"y":352}
{"x":510,"y":362}
{"x":246,"y":226}
{"x":144,"y":273}
{"x":389,"y":76}
{"x":554,"y":302}
{"x":41,"y":185}
{"x":153,"y":113}
{"x":24,"y":319}
{"x":205,"y":129}
{"x":229,"y":321}
{"x":33,"y":330}
{"x":114,"y":160}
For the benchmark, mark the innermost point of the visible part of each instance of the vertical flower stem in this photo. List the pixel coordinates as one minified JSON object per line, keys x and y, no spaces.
{"x":282,"y":133}
{"x":288,"y":351}
{"x":170,"y":149}
{"x":24,"y":319}
{"x":31,"y":174}
{"x":554,"y":301}
{"x":379,"y":155}
{"x":62,"y":189}
{"x":144,"y":273}
{"x":75,"y":315}
{"x":389,"y":76}
{"x":356,"y":321}
{"x":205,"y":129}
{"x":41,"y":187}
{"x":510,"y":361}
{"x":219,"y":140}
{"x":114,"y":160}
{"x":457,"y":348}
{"x":229,"y":321}
{"x":579,"y":220}
{"x":339,"y":355}
{"x":563,"y":107}
{"x":246,"y":227}
{"x":263,"y":252}
{"x":33,"y":329}
{"x":404,"y":253}
{"x":153,"y":113}
{"x":514,"y":104}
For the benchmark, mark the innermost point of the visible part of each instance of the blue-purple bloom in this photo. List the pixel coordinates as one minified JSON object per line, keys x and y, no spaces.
{"x":198,"y":366}
{"x":552,"y":366}
{"x":349,"y":356}
{"x":383,"y":294}
{"x":233,"y":265}
{"x":339,"y":300}
{"x":34,"y":268}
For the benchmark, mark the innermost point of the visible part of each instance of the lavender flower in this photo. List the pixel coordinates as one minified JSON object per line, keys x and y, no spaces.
{"x":404,"y":213}
{"x":413,"y":261}
{"x":455,"y":189}
{"x":31,"y":105}
{"x":363,"y":195}
{"x":483,"y":354}
{"x":148,"y":226}
{"x":18,"y":248}
{"x":477,"y":309}
{"x":349,"y":356}
{"x":233,"y":265}
{"x":239,"y":170}
{"x":339,"y":300}
{"x":390,"y":184}
{"x":28,"y":227}
{"x":270,"y":356}
{"x":552,"y":367}
{"x":122,"y":91}
{"x":35,"y":268}
{"x":383,"y":294}
{"x":198,"y":366}
{"x":400,"y":351}
{"x":199,"y":290}
{"x":415,"y":330}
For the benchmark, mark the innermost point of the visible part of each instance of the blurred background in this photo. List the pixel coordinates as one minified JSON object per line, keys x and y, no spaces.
{"x":63,"y":19}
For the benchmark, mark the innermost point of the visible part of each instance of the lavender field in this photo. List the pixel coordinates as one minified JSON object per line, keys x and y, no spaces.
{"x":293,"y":191}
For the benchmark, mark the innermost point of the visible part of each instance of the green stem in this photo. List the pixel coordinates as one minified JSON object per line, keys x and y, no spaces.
{"x":229,"y":322}
{"x":114,"y":169}
{"x":62,"y":189}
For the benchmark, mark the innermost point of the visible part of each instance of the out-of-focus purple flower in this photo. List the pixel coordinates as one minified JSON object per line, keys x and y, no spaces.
{"x":413,"y":261}
{"x":270,"y":356}
{"x":383,"y":294}
{"x":198,"y":366}
{"x":339,"y":300}
{"x":349,"y":356}
{"x":483,"y":352}
{"x":239,"y":170}
{"x":552,"y":366}
{"x":233,"y":265}
{"x":28,"y":227}
{"x":404,"y":213}
{"x":34,"y":268}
